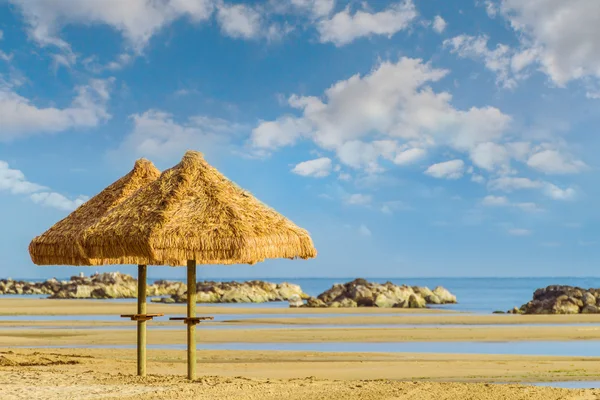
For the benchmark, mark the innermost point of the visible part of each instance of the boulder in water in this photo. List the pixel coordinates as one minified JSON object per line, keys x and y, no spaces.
{"x":362,"y":293}
{"x":560,"y":299}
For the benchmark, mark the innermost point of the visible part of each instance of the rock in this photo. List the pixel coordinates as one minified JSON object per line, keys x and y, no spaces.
{"x":387,"y":295}
{"x":206,"y":297}
{"x":383,"y":301}
{"x":590,"y":309}
{"x":498,"y":312}
{"x":295,"y":301}
{"x":114,"y":285}
{"x":315,"y":302}
{"x":567,"y":306}
{"x":331,"y":294}
{"x":444,"y":295}
{"x":162,"y":300}
{"x":559,"y":299}
{"x":401,"y":304}
{"x":348,"y":303}
{"x":287,"y":290}
{"x":589,"y":299}
{"x":424,"y":291}
{"x":235,"y":292}
{"x":415,"y":301}
{"x":433,"y":299}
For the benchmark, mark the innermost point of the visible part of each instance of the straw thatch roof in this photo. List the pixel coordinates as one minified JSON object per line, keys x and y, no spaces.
{"x":61,"y":244}
{"x":192,"y":212}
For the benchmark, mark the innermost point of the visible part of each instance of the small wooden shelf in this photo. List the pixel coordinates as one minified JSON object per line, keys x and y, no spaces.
{"x":141,"y":317}
{"x":191,"y":320}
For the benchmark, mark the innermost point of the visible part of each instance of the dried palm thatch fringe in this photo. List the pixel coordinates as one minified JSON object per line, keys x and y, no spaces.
{"x":61,"y":244}
{"x":192,"y":212}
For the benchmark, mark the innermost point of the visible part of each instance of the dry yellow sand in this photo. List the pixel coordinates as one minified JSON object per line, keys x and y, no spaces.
{"x":98,"y":374}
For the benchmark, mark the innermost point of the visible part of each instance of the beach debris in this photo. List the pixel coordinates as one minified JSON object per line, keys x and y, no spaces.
{"x":362,"y":293}
{"x":562,"y":299}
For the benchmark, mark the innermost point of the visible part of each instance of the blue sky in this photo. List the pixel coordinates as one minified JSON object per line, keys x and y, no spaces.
{"x":411,"y":138}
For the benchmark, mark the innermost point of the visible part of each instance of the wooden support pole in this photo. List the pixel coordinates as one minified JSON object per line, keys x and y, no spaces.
{"x":141,"y":324}
{"x":191,"y":313}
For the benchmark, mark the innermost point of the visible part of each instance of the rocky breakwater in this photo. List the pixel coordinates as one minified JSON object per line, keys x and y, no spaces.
{"x":111,"y":285}
{"x":115,"y":285}
{"x":361,"y":293}
{"x":558,"y":299}
{"x":230,"y":292}
{"x":9,"y":286}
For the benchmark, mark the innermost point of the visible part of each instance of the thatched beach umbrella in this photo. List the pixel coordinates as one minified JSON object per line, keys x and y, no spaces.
{"x":61,"y":244}
{"x":193,"y":215}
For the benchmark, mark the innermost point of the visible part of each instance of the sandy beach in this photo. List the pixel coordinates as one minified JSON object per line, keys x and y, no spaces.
{"x":79,"y":371}
{"x":97,"y":374}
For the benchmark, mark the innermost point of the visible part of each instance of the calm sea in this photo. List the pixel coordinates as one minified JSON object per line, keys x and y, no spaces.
{"x":480,"y":295}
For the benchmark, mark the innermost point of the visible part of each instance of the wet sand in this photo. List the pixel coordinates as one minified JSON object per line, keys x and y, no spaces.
{"x":80,"y":337}
{"x":97,"y":374}
{"x":15,"y":306}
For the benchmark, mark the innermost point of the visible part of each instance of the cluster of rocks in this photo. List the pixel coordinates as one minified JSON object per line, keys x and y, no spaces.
{"x":229,"y":292}
{"x":361,"y":293}
{"x":111,"y":285}
{"x":559,"y":299}
{"x":115,"y":285}
{"x":9,"y":286}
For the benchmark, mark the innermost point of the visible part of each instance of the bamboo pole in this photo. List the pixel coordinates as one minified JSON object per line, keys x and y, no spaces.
{"x":141,"y":323}
{"x":191,"y":313}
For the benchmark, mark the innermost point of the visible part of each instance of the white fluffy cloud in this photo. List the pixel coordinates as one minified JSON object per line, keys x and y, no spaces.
{"x":497,"y":60}
{"x":395,"y":103}
{"x":239,"y":21}
{"x":316,"y":8}
{"x":558,"y":35}
{"x":15,"y":182}
{"x":490,"y":156}
{"x":318,"y":168}
{"x":57,"y":200}
{"x":557,"y":193}
{"x":20,"y":117}
{"x":503,"y":201}
{"x":157,"y":135}
{"x":453,"y":169}
{"x":345,"y":27}
{"x":553,"y":162}
{"x":409,"y":156}
{"x":511,"y":183}
{"x":136,"y":20}
{"x":439,"y":24}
